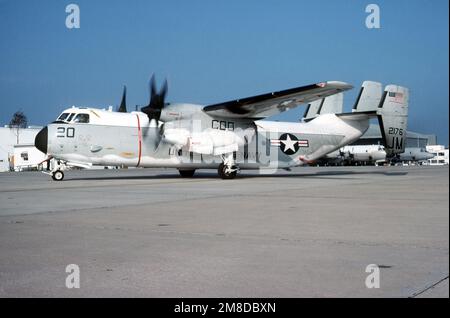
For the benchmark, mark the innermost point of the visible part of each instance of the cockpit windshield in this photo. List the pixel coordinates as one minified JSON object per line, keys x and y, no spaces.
{"x":70,"y":117}
{"x":73,"y":117}
{"x":82,"y":118}
{"x":63,"y":116}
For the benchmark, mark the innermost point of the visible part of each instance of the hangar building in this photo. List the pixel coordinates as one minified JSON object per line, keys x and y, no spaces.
{"x":413,"y":139}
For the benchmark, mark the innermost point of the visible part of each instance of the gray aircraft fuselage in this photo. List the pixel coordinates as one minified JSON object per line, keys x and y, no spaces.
{"x":228,"y":136}
{"x":128,"y":139}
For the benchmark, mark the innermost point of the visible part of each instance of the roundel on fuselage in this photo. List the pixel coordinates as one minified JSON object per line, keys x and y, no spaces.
{"x":289,"y":144}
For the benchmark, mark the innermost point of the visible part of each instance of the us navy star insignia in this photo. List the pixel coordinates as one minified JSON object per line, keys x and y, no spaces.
{"x":289,"y":144}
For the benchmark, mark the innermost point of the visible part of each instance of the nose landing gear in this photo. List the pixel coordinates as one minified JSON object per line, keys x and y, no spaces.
{"x":58,"y":175}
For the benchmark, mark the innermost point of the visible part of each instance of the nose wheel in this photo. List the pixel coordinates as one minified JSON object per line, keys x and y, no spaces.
{"x":58,"y":175}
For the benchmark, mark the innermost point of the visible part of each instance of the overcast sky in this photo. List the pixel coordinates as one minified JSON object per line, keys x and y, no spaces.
{"x":214,"y":51}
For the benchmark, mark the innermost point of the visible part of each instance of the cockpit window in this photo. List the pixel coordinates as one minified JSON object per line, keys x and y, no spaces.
{"x":63,"y":116}
{"x":82,"y":118}
{"x":70,"y":117}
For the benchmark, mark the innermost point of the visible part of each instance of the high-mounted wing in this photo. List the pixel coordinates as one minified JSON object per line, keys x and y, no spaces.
{"x":262,"y":106}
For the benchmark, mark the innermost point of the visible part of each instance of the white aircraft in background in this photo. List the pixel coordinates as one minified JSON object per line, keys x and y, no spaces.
{"x":359,"y":154}
{"x":227,"y":136}
{"x":374,"y":154}
{"x":414,"y":154}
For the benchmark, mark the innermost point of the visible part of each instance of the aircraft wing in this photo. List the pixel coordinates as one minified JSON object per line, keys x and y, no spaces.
{"x":262,"y":106}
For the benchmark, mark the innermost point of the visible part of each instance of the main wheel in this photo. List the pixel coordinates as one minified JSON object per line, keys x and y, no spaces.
{"x":187,"y":173}
{"x":224,"y":174}
{"x":58,"y":175}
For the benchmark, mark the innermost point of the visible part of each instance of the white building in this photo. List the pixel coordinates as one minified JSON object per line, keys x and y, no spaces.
{"x":440,"y":155}
{"x":11,"y":137}
{"x":413,"y":139}
{"x":27,"y":157}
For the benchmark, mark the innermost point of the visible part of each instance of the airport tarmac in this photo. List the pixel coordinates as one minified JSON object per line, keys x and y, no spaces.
{"x":310,"y":232}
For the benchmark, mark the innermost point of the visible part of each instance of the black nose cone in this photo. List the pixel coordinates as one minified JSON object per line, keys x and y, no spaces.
{"x":40,"y":142}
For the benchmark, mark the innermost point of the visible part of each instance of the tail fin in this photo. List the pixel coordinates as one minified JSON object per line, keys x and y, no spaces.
{"x":333,"y":104}
{"x":330,"y":105}
{"x":391,"y":108}
{"x":369,"y":97}
{"x":311,"y":109}
{"x":393,"y":118}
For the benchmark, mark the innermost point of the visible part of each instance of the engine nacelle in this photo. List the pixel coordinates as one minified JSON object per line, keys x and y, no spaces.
{"x":172,"y":112}
{"x":210,"y":141}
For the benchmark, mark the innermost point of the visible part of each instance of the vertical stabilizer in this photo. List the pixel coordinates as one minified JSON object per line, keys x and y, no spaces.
{"x":369,"y":97}
{"x":393,"y":118}
{"x":333,"y":104}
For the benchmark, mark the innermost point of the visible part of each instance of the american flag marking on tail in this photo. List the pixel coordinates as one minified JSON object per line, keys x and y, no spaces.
{"x":397,"y":97}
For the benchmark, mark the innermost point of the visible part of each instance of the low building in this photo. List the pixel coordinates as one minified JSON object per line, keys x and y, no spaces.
{"x":413,"y":139}
{"x":440,"y":155}
{"x":11,"y":137}
{"x":28,"y":157}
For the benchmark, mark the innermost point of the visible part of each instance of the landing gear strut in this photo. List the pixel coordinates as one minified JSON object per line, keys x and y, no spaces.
{"x":228,"y":169}
{"x":57,"y":173}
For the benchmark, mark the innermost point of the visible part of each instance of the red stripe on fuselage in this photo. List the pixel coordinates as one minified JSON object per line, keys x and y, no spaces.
{"x":139,"y":140}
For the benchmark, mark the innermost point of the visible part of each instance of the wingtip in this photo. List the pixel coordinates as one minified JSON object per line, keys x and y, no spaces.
{"x":338,"y":84}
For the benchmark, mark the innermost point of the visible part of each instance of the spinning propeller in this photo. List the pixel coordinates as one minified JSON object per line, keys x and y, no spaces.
{"x":153,"y":110}
{"x":157,"y":100}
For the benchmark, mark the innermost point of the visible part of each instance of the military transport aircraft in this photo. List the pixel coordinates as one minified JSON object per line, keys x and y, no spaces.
{"x":226,"y":136}
{"x":374,"y":154}
{"x":355,"y":155}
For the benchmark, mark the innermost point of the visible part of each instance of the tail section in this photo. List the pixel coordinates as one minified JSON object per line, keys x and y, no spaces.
{"x":330,"y":105}
{"x":311,"y":109}
{"x":369,"y":97}
{"x":391,"y":109}
{"x":393,"y":118}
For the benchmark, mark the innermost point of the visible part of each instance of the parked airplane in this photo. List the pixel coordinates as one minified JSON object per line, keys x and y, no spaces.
{"x":227,"y":136}
{"x":414,"y":154}
{"x":373,"y":154}
{"x":357,"y":154}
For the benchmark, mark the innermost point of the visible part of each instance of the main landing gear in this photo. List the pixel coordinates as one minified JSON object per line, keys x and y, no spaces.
{"x":228,"y":169}
{"x":187,"y":173}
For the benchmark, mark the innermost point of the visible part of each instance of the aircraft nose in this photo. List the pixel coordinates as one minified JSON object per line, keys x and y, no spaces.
{"x":40,"y":142}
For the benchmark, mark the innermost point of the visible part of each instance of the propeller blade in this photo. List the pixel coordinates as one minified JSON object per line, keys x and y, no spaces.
{"x":157,"y":100}
{"x":123,"y":103}
{"x":153,"y":92}
{"x":155,"y":133}
{"x":163,"y":91}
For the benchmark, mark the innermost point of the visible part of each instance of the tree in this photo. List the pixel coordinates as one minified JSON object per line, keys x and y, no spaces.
{"x":18,"y":121}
